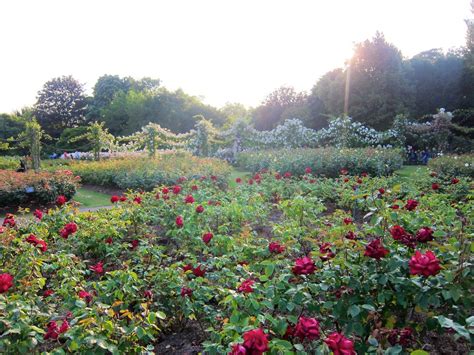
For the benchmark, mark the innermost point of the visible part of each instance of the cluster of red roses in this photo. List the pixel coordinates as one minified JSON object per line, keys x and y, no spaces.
{"x":6,"y":282}
{"x":41,"y":244}
{"x":98,"y":268}
{"x":61,"y":200}
{"x":198,"y":271}
{"x":423,"y":235}
{"x":9,"y":221}
{"x":115,"y":198}
{"x":276,"y":248}
{"x":68,"y":229}
{"x":38,"y":214}
{"x":53,"y":331}
{"x":246,"y":286}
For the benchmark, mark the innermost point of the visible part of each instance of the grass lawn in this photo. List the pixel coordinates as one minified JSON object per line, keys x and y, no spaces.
{"x":409,"y":171}
{"x":89,"y":198}
{"x":237,"y":174}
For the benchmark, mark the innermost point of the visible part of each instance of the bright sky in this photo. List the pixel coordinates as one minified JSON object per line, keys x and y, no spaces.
{"x":222,"y":50}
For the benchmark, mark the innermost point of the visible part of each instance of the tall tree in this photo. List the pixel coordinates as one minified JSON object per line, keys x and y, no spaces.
{"x":379,"y":88}
{"x":270,"y":113}
{"x":467,"y":84}
{"x":61,"y":104}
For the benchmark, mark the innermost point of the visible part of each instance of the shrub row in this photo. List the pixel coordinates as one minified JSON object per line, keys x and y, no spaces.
{"x":41,"y":188}
{"x":144,"y":173}
{"x":323,"y":161}
{"x":453,"y":165}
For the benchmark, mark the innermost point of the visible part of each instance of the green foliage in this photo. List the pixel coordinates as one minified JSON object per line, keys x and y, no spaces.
{"x":453,"y":165}
{"x":31,"y":139}
{"x":69,"y":143}
{"x":323,"y":161}
{"x":98,"y":138}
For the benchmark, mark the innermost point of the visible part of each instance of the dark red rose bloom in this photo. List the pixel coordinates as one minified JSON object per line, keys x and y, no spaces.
{"x":137,"y":200}
{"x":397,"y":232}
{"x":86,"y":296}
{"x":307,"y":170}
{"x":424,"y":264}
{"x":194,"y":188}
{"x":351,"y":235}
{"x":344,"y":171}
{"x":9,"y":220}
{"x":69,"y":228}
{"x":6,"y":282}
{"x":256,"y":341}
{"x":179,"y":222}
{"x":402,"y":336}
{"x":198,"y":272}
{"x":134,"y":244}
{"x":114,"y":199}
{"x":176,"y":189}
{"x":48,"y":293}
{"x":202,"y":178}
{"x":276,"y":248}
{"x":123,"y":198}
{"x":238,"y":181}
{"x":307,"y":328}
{"x":364,"y":174}
{"x":381,"y":190}
{"x":359,"y":181}
{"x":98,"y":268}
{"x":395,"y":207}
{"x":348,"y":221}
{"x":213,"y":178}
{"x":109,"y":240}
{"x":277,"y":176}
{"x":200,"y":209}
{"x":257,"y":177}
{"x":411,"y":205}
{"x":346,"y":179}
{"x":435,"y":186}
{"x":250,"y":181}
{"x":53,"y":331}
{"x":339,"y":344}
{"x":187,"y":267}
{"x":454,"y":181}
{"x":189,"y":199}
{"x":148,"y":294}
{"x":312,"y":181}
{"x":157,"y":196}
{"x":424,"y":235}
{"x":375,"y":249}
{"x":166,"y":197}
{"x":287,"y":175}
{"x":182,"y":179}
{"x":326,"y":252}
{"x":207,"y":237}
{"x":290,"y":332}
{"x":243,"y":262}
{"x":246,"y":286}
{"x":304,"y":266}
{"x":238,"y":349}
{"x":61,"y":200}
{"x":38,"y":214}
{"x":41,"y":244}
{"x":165,"y":190}
{"x":186,"y":291}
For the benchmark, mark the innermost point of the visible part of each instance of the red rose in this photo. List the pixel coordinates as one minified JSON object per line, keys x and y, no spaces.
{"x":424,"y":235}
{"x":179,"y":222}
{"x":198,"y":272}
{"x":434,"y":186}
{"x":424,"y":264}
{"x":6,"y":282}
{"x":307,"y":170}
{"x":213,"y":178}
{"x":397,"y":232}
{"x":137,"y":200}
{"x":287,"y":175}
{"x":165,"y":190}
{"x":189,"y":199}
{"x":344,"y":171}
{"x":148,"y":294}
{"x":351,"y":235}
{"x":134,"y":244}
{"x":194,"y":188}
{"x":114,"y":199}
{"x":53,"y":331}
{"x":454,"y":181}
{"x":9,"y":220}
{"x":238,"y":181}
{"x":38,"y":214}
{"x":85,"y":296}
{"x":246,"y":286}
{"x":312,"y":181}
{"x":48,"y":293}
{"x":381,"y":190}
{"x":206,"y":237}
{"x":250,"y":181}
{"x":41,"y":244}
{"x":400,"y":336}
{"x":375,"y":249}
{"x":182,"y":179}
{"x":187,"y":267}
{"x":326,"y":252}
{"x":339,"y":344}
{"x":109,"y":240}
{"x":238,"y":349}
{"x":98,"y":268}
{"x":200,"y":209}
{"x":307,"y":328}
{"x":256,"y":342}
{"x":123,"y":198}
{"x":348,"y":221}
{"x":346,"y":179}
{"x":411,"y":205}
{"x":395,"y":207}
{"x":69,"y":228}
{"x":277,"y":176}
{"x":61,"y":200}
{"x":186,"y":291}
{"x":304,"y":266}
{"x":364,"y":174}
{"x":276,"y":248}
{"x":359,"y":181}
{"x":176,"y":189}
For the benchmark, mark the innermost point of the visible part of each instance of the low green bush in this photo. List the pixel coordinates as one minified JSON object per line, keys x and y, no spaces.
{"x":453,"y":165}
{"x":323,"y":161}
{"x":9,"y":163}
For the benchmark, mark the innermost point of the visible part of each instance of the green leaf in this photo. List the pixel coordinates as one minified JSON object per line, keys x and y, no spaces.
{"x":394,"y":350}
{"x":269,"y":269}
{"x":353,"y":311}
{"x":368,"y":307}
{"x":161,"y":315}
{"x":419,"y":352}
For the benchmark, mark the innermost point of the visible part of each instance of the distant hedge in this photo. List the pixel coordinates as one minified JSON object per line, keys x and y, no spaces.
{"x":323,"y":161}
{"x":453,"y":165}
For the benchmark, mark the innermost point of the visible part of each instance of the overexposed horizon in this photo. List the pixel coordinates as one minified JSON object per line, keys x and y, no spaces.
{"x":223,"y":51}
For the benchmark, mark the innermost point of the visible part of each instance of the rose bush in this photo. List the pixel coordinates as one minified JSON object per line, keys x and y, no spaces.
{"x":282,"y":265}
